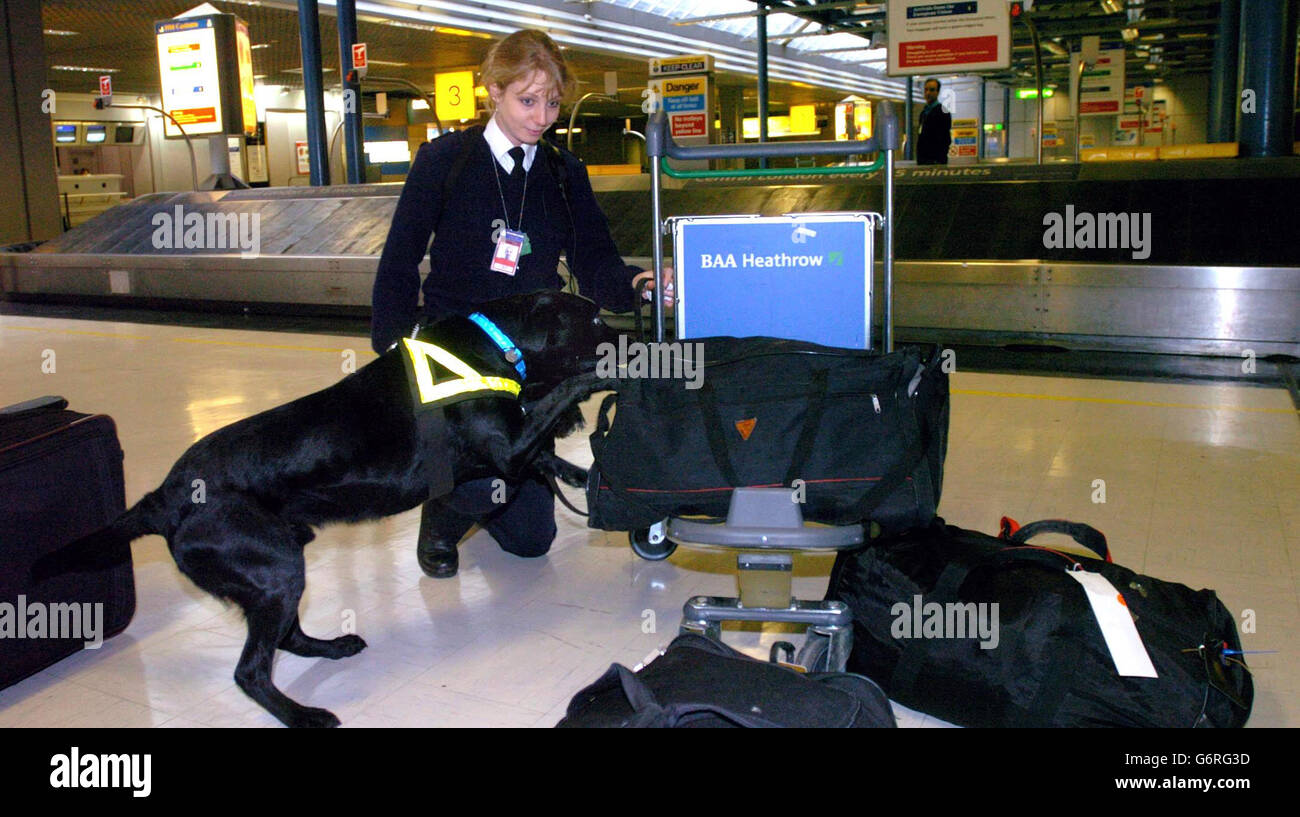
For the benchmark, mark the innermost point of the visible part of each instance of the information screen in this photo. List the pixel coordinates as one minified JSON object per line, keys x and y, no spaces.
{"x":191,"y":81}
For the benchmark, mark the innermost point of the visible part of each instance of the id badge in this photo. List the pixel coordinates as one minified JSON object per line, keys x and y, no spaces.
{"x":509,"y":247}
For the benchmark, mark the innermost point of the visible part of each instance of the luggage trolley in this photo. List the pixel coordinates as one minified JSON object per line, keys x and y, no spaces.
{"x":763,"y":523}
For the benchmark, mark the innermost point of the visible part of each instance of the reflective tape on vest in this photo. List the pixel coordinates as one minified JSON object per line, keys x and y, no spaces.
{"x":468,"y":381}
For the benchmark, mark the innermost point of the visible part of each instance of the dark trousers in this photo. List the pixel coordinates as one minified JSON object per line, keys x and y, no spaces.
{"x":523,"y":525}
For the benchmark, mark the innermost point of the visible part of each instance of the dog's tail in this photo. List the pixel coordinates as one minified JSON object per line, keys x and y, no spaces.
{"x":106,"y":548}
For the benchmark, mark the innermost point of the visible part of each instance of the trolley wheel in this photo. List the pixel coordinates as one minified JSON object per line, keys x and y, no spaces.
{"x":814,"y":655}
{"x":640,"y":541}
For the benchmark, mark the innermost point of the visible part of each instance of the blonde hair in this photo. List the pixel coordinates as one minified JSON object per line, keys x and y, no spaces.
{"x":519,"y":55}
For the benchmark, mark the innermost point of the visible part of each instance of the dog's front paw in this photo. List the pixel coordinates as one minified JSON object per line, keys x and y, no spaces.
{"x":310,"y":717}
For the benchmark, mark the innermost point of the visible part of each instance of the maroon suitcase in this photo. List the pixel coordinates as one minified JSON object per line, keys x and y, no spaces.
{"x":60,"y":479}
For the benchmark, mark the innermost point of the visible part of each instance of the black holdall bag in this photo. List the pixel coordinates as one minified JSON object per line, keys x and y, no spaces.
{"x":863,"y":434}
{"x":700,"y":683}
{"x":1051,"y":665}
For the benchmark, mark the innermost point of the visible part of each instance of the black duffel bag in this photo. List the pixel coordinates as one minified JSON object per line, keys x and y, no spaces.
{"x":700,"y":683}
{"x":861,"y":435}
{"x":1050,"y":665}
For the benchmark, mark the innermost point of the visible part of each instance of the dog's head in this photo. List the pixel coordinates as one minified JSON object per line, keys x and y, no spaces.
{"x":559,"y":334}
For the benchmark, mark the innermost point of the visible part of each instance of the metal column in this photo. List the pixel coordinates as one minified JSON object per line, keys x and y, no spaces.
{"x":907,"y":121}
{"x":979,"y":144}
{"x":762,"y":78}
{"x":1075,"y":103}
{"x":352,"y":133}
{"x":31,"y":209}
{"x":314,"y":90}
{"x":1268,"y":37}
{"x":1006,"y":121}
{"x":1038,"y":83}
{"x":1221,"y":126}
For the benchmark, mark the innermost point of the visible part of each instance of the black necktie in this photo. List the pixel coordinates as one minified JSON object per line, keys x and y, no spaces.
{"x":517,"y":153}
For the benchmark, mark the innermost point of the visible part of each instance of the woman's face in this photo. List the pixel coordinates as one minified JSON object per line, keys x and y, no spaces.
{"x":526,"y":108}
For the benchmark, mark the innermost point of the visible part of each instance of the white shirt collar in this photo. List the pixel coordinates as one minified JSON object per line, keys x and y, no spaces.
{"x":500,"y":146}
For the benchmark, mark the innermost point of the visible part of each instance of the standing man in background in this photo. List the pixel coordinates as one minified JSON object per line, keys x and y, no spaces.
{"x":936,"y":128}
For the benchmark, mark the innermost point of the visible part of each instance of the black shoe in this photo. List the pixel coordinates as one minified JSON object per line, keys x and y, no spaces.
{"x":439,"y":559}
{"x":441,"y":530}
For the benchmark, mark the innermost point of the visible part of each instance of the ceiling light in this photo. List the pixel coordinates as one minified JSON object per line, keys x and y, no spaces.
{"x":1112,"y":6}
{"x":1129,"y":34}
{"x":55,"y":32}
{"x":402,"y":24}
{"x":85,"y":69}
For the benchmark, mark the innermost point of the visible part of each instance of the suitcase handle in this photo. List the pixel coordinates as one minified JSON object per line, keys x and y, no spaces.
{"x":1085,"y":535}
{"x":37,"y":405}
{"x":649,"y":713}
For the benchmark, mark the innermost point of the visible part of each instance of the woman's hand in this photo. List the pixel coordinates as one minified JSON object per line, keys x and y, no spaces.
{"x":649,"y":277}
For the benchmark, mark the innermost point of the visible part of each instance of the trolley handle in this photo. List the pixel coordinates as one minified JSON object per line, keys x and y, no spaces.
{"x":659,"y":142}
{"x":767,"y":172}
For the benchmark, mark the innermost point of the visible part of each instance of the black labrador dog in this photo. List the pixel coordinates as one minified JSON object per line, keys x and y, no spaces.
{"x":354,"y":451}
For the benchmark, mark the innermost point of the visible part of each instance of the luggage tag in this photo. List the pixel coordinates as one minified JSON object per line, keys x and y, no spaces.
{"x":1117,"y":627}
{"x":510,"y":247}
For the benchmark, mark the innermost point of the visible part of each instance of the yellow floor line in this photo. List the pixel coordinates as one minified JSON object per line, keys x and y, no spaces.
{"x":77,"y":332}
{"x":264,"y":345}
{"x":1117,"y":402}
{"x":245,"y":343}
{"x":971,"y":392}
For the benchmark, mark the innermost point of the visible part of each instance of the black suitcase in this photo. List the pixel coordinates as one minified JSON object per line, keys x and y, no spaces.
{"x":700,"y":683}
{"x":1046,"y":663}
{"x":60,"y":479}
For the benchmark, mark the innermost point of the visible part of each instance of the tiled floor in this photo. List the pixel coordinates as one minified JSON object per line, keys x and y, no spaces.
{"x":1201,"y":485}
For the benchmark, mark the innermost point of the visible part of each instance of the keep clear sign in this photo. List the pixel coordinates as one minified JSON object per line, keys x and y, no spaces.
{"x":681,"y":88}
{"x":799,"y":277}
{"x":931,"y":37}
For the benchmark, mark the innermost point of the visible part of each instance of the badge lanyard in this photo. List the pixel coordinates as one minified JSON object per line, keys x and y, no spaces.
{"x":513,"y":243}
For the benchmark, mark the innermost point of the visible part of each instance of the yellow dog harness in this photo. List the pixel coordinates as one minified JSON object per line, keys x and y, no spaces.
{"x":441,"y":377}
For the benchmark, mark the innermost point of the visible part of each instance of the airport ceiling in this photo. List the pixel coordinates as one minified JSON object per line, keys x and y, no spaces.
{"x":1163,"y":39}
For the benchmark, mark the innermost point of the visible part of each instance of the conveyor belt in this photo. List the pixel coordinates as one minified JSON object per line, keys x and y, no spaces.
{"x":1222,"y":275}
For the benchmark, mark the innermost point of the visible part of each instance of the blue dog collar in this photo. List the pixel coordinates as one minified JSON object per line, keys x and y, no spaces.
{"x":512,"y":353}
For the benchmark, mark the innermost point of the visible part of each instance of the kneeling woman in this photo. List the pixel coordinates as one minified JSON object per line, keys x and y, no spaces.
{"x":501,"y":205}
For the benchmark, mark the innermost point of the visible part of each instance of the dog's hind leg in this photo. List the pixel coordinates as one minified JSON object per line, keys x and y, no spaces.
{"x":299,"y":643}
{"x":235,"y":549}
